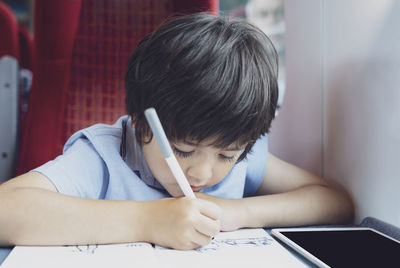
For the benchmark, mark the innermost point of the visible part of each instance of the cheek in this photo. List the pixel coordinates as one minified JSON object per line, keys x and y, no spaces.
{"x":157,"y":166}
{"x":156,"y":162}
{"x":162,"y":172}
{"x":221,"y":171}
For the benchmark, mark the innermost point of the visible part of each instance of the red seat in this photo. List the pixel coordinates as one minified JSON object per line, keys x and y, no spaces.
{"x":25,"y":47}
{"x":8,"y":32}
{"x":81,"y":52}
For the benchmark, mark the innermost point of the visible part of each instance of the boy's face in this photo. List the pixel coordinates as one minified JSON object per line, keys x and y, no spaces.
{"x":203,"y":165}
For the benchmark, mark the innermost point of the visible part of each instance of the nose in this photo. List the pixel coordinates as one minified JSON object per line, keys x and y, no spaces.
{"x":200,"y":172}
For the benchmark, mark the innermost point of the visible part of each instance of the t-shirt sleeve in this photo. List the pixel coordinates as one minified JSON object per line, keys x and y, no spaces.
{"x":256,"y":165}
{"x":79,"y":171}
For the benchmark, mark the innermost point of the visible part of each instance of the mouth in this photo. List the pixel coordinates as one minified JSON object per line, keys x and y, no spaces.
{"x":196,"y":188}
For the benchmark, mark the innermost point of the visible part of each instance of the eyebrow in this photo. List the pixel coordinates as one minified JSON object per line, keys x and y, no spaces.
{"x":190,"y":143}
{"x":234,"y":149}
{"x":223,"y":149}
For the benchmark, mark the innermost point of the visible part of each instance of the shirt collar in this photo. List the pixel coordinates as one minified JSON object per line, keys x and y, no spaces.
{"x":135,"y":158}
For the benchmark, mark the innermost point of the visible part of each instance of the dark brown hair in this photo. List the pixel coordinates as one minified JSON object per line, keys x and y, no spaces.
{"x":207,"y":77}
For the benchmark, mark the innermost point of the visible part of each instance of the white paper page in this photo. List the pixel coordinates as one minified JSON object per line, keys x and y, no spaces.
{"x":242,"y":248}
{"x":98,"y":256}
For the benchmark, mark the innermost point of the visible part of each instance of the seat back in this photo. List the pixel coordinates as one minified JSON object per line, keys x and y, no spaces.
{"x":25,"y":40}
{"x":107,"y":33}
{"x":9,"y":94}
{"x":8,"y":32}
{"x":81,"y":52}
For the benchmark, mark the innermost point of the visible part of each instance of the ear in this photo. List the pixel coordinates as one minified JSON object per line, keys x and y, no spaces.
{"x":133,"y":120}
{"x":149,"y":137}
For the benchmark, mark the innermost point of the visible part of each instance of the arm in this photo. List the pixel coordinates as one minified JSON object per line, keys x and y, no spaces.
{"x":33,"y":213}
{"x":288,"y":196}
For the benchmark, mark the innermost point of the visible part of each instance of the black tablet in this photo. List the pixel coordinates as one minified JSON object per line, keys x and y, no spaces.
{"x":342,"y":247}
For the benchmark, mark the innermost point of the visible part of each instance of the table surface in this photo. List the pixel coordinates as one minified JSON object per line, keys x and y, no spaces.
{"x":377,"y":224}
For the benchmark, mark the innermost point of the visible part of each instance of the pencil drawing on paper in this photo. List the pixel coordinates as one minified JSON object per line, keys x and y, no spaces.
{"x":88,"y":249}
{"x":217,"y":244}
{"x":91,"y":249}
{"x":231,"y":243}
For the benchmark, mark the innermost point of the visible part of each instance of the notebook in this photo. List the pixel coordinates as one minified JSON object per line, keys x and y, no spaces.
{"x":342,"y":247}
{"x":241,"y":248}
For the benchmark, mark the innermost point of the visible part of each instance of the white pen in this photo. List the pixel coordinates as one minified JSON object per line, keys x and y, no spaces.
{"x":166,"y":150}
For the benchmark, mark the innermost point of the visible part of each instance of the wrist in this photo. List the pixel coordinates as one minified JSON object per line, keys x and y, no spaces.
{"x":139,"y":223}
{"x":235,"y":214}
{"x":243,"y":214}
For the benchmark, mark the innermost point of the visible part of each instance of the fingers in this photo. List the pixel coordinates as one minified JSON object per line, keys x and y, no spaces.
{"x":196,"y":240}
{"x":209,"y":209}
{"x":200,"y":240}
{"x":200,"y":234}
{"x":183,"y":223}
{"x":204,"y":222}
{"x":207,"y":226}
{"x":208,"y":223}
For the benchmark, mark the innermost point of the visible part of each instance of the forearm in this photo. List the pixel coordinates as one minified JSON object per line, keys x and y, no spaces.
{"x":30,"y":216}
{"x":308,"y":205}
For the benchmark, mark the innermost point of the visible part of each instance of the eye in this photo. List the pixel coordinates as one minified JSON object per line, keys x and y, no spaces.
{"x":181,"y":153}
{"x":227,"y":158}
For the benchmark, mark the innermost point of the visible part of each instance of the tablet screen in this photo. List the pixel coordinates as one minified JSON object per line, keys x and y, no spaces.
{"x":347,"y":247}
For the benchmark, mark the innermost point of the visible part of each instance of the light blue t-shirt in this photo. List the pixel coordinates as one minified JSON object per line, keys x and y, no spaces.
{"x":91,"y":166}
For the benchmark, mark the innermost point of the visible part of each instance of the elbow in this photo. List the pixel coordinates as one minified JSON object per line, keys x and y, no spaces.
{"x":343,"y":207}
{"x":348,"y":211}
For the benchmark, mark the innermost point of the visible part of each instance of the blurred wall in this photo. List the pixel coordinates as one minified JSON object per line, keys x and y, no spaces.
{"x":342,"y":102}
{"x":296,"y":133}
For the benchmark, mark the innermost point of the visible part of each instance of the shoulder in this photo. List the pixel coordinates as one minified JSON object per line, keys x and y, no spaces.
{"x":79,"y":171}
{"x":258,"y":155}
{"x":256,"y":165}
{"x":101,"y":136}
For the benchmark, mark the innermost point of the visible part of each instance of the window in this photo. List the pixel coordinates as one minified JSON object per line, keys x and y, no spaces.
{"x":268,"y":15}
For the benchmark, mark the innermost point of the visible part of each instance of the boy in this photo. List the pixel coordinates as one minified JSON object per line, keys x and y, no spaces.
{"x":213,"y":84}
